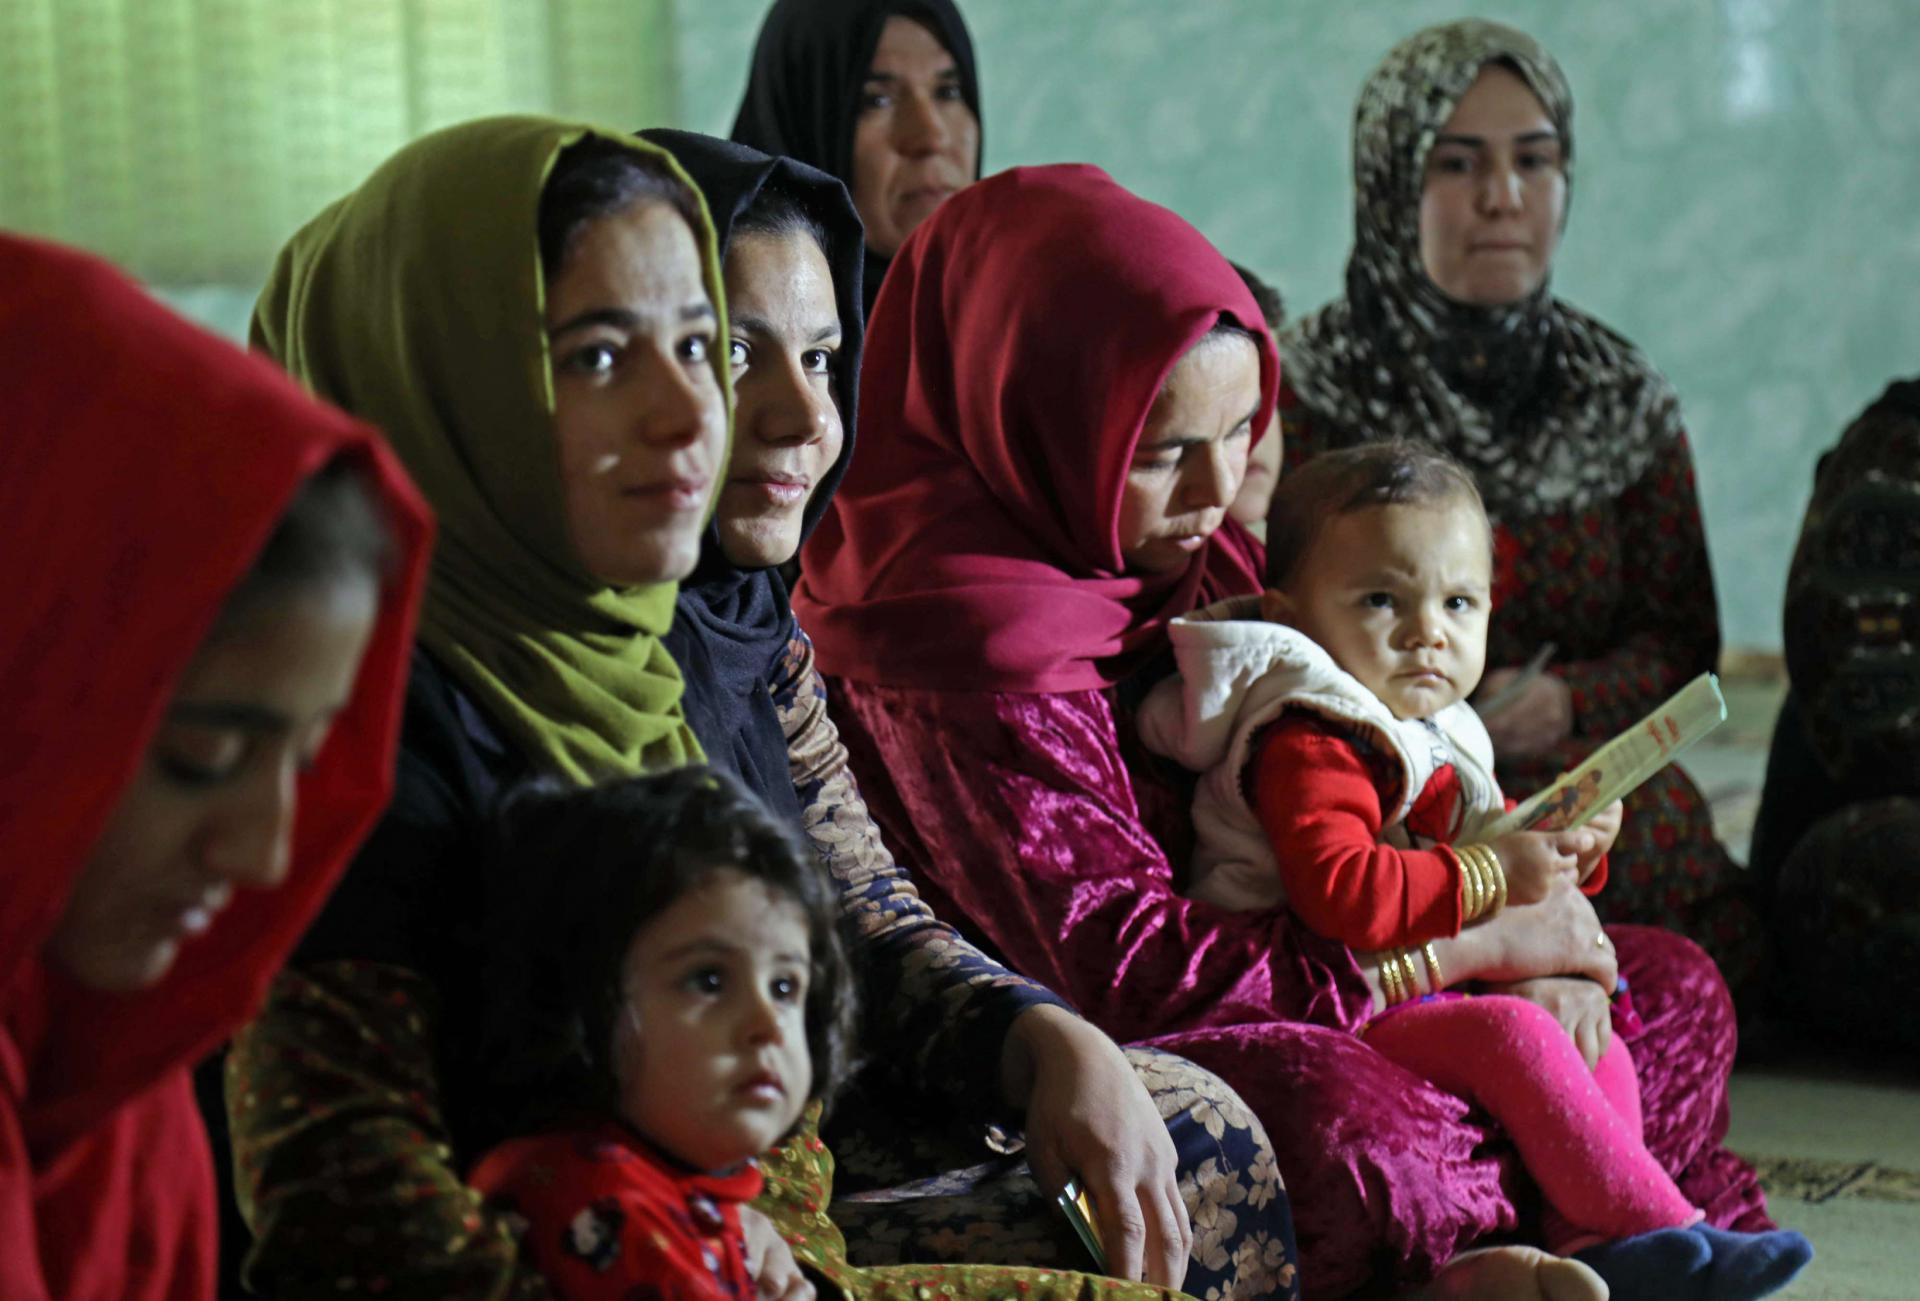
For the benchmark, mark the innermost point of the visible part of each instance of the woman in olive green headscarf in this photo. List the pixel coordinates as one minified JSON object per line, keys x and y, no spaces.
{"x":466,"y":382}
{"x":533,"y":312}
{"x":530,"y":310}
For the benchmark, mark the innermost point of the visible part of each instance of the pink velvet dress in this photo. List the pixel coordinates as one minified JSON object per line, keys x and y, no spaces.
{"x":1021,"y":816}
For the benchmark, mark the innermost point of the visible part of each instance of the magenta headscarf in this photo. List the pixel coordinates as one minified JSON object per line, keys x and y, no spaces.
{"x":1012,"y":359}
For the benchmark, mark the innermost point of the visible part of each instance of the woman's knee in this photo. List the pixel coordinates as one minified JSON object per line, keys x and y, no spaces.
{"x":1243,"y":1241}
{"x":1668,"y":974}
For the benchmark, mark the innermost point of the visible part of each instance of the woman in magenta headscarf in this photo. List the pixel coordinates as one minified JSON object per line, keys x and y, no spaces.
{"x":1061,"y":387}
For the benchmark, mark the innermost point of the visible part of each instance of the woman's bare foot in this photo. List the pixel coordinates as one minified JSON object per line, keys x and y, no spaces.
{"x":1513,"y":1274}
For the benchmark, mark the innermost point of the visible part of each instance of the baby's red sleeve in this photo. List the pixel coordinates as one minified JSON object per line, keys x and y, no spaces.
{"x":1597,"y":882}
{"x":1318,"y":803}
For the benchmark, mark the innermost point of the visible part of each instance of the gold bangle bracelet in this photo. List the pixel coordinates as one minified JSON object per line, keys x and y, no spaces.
{"x":1490,"y":879}
{"x":1469,"y":884}
{"x":1433,"y":966}
{"x":1474,"y":895}
{"x":1390,"y":980}
{"x":1412,"y":973}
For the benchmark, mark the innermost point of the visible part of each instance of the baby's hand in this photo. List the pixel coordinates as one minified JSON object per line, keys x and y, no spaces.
{"x":1533,"y":861}
{"x":1590,"y":843}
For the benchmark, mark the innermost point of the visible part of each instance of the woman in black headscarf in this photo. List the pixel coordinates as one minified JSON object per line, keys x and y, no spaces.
{"x":941,"y":1016}
{"x":884,"y":94}
{"x":732,"y":626}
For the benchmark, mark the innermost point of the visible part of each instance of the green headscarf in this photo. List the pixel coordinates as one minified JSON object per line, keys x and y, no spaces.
{"x":417,"y":302}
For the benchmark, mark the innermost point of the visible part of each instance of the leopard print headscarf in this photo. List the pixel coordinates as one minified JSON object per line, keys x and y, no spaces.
{"x":1550,"y":409}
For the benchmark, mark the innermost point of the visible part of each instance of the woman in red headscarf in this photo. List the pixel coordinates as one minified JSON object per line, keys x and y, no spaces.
{"x":212,"y":630}
{"x":1053,"y":428}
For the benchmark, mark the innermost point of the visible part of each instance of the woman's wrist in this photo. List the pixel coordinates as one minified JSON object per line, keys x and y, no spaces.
{"x":1027,"y":1038}
{"x":1463,"y":956}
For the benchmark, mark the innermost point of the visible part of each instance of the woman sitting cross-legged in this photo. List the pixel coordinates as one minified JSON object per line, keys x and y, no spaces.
{"x":1449,"y":332}
{"x":791,"y":247}
{"x":1053,"y":428}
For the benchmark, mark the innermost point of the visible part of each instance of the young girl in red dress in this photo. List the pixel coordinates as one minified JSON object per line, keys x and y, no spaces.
{"x":661,"y":1012}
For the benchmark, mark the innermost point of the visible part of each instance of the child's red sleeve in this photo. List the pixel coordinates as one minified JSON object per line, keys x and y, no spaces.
{"x":1316,"y":800}
{"x":1597,"y":882}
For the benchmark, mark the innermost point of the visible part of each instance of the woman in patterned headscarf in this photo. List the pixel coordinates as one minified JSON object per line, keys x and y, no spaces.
{"x":1463,"y":153}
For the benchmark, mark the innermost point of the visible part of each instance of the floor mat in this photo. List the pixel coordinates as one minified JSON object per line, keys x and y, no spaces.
{"x":1816,"y":1179}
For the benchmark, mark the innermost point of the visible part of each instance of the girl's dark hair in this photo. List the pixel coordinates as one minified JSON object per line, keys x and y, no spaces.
{"x":576,"y":873}
{"x":335,"y":528}
{"x":596,"y":178}
{"x":779,"y":213}
{"x":1392,"y":472}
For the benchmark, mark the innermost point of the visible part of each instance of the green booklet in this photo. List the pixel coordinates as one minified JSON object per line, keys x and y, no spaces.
{"x":1621,"y":764}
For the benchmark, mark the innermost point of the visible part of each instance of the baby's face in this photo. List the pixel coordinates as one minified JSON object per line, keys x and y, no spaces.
{"x":1399,"y":596}
{"x":712,"y":1054}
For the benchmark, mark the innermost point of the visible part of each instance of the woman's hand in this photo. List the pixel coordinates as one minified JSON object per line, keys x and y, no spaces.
{"x":1559,"y":936}
{"x":770,"y":1260}
{"x":1538,"y":719}
{"x":1090,"y":1118}
{"x":1577,"y":1004}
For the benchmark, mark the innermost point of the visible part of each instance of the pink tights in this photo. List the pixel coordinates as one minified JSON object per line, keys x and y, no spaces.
{"x":1578,"y":1131}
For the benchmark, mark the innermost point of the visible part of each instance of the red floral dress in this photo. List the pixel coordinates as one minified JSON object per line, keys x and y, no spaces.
{"x":608,"y":1218}
{"x":1623,"y":589}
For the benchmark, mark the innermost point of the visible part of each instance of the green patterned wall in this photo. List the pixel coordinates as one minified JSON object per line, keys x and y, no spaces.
{"x":188,"y":138}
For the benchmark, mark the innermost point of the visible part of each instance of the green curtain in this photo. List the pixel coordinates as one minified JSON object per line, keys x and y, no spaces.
{"x":187,"y":139}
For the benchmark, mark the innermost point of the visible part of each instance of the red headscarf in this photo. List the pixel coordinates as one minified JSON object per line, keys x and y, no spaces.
{"x":1012,"y":359}
{"x":143,"y":464}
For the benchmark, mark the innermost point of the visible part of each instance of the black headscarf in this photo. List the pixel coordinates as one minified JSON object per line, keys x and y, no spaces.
{"x":809,"y":65}
{"x":731,"y":626}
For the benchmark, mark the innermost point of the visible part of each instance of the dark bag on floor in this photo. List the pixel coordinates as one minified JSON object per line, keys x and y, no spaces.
{"x":1853,"y":602}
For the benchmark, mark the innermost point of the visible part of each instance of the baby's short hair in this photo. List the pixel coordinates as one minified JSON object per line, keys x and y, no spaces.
{"x":1391,"y":472}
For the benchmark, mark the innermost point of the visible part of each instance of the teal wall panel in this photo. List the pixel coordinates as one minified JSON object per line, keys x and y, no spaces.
{"x":1746,"y":206}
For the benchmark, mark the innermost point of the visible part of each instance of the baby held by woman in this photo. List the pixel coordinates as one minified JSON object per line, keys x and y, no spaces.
{"x":1346,"y":776}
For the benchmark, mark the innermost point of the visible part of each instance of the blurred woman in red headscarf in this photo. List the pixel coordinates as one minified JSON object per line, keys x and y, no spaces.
{"x":211,"y":635}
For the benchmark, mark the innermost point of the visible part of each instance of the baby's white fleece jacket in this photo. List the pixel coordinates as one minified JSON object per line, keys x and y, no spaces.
{"x":1238,"y":673}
